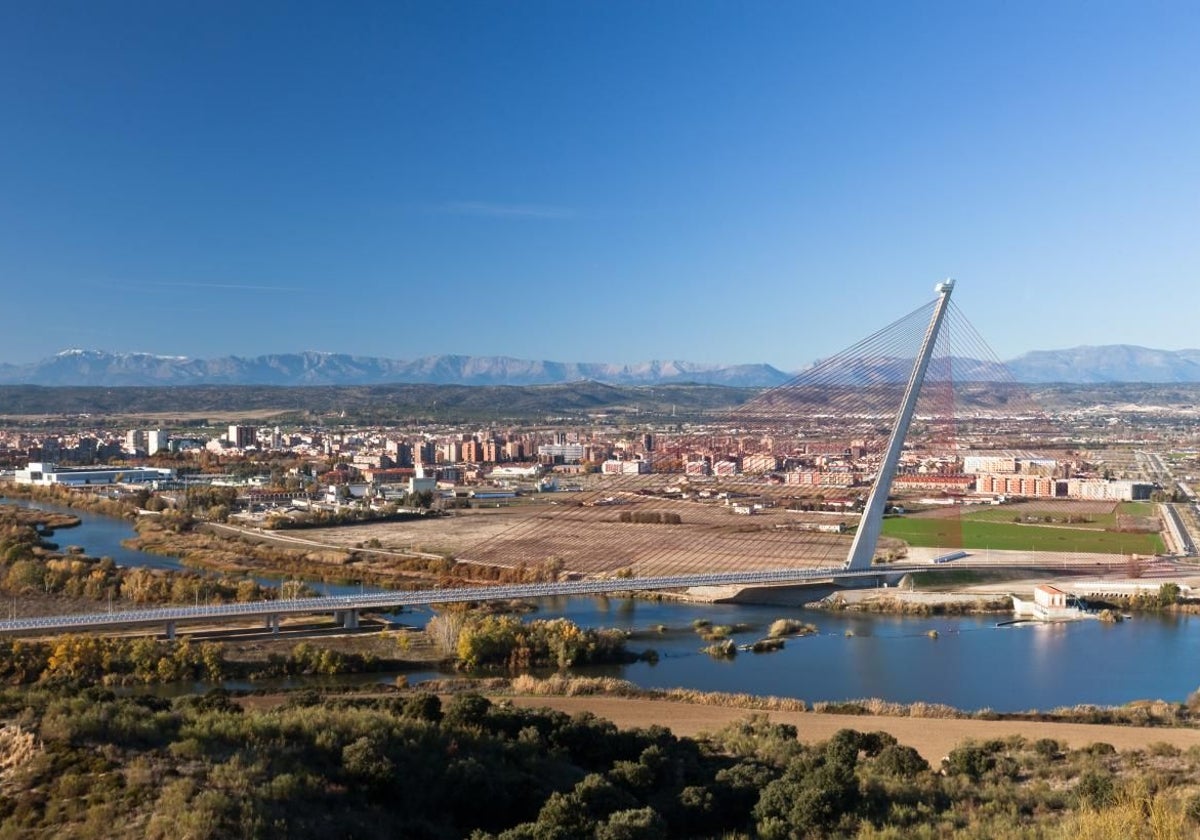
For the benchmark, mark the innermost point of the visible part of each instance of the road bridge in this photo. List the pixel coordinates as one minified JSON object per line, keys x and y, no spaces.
{"x":346,"y":609}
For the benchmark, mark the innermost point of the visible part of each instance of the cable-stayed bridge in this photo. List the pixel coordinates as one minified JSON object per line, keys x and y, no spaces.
{"x":850,"y":413}
{"x":346,"y":608}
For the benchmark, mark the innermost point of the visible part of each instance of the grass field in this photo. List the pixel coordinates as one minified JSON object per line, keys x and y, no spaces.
{"x":1007,"y":515}
{"x":1100,"y":515}
{"x":984,"y":532}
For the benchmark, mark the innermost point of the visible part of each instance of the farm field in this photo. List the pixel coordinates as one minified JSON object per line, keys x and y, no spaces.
{"x":592,"y":539}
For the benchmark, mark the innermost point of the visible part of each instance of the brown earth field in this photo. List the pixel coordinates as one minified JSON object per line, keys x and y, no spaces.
{"x":932,"y":737}
{"x":591,"y":539}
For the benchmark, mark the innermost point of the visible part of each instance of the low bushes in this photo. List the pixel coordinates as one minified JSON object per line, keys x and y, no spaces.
{"x":790,"y":627}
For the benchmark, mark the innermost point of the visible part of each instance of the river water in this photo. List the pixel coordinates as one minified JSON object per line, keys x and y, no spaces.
{"x":101,"y":536}
{"x":972,"y":664}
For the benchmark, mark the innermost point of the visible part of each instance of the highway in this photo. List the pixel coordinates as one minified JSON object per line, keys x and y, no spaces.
{"x":1179,"y":529}
{"x":1183,"y":532}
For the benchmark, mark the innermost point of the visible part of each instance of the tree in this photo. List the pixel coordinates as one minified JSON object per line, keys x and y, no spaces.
{"x":1168,"y":594}
{"x":900,"y":761}
{"x":444,"y":630}
{"x":26,"y":576}
{"x":366,"y":760}
{"x":633,"y":824}
{"x":812,"y":796}
{"x":423,"y":706}
{"x":470,"y":709}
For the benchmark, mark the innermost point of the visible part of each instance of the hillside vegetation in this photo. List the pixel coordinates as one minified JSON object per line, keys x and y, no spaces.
{"x":82,"y":762}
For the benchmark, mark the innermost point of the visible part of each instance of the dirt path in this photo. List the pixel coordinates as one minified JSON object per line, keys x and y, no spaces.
{"x":933,"y":738}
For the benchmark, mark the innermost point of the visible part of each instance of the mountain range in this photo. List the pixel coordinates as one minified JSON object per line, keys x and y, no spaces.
{"x":1089,"y":364}
{"x":97,"y":367}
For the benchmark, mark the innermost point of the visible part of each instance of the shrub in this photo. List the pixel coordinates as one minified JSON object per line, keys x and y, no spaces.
{"x":724,"y":649}
{"x":790,"y":627}
{"x":970,"y":760}
{"x":633,"y":824}
{"x":1095,"y":789}
{"x":900,"y":761}
{"x":1047,"y":748}
{"x":423,"y":706}
{"x":468,"y":709}
{"x":1192,"y":808}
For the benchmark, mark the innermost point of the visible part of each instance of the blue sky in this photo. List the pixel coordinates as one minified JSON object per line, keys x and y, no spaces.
{"x":594,"y":181}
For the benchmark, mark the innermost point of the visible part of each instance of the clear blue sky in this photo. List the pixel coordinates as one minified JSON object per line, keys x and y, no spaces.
{"x":594,"y":181}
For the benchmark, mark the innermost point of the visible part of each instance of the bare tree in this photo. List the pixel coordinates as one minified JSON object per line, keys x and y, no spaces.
{"x":443,"y":631}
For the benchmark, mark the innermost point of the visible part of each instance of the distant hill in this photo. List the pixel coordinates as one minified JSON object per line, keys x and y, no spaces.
{"x":875,"y":370}
{"x":376,"y":403}
{"x":1107,"y":363}
{"x":96,"y":367}
{"x":1084,"y":365}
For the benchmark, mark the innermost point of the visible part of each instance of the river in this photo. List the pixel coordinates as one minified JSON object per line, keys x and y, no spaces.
{"x":972,"y":664}
{"x":101,"y":536}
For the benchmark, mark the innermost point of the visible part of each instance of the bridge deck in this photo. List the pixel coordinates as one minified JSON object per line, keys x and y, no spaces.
{"x":88,"y":622}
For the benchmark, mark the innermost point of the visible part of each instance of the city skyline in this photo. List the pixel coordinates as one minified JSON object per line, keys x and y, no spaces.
{"x":594,"y":182}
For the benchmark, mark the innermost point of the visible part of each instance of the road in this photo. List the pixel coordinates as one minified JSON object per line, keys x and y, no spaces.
{"x":1183,"y":528}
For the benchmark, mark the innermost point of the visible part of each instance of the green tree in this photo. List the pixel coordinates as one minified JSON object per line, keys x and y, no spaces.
{"x":470,"y":709}
{"x":1168,"y":594}
{"x":812,"y":795}
{"x":633,"y":824}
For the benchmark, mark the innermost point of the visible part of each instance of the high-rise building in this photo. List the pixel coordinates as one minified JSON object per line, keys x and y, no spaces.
{"x":242,"y":436}
{"x":452,"y":451}
{"x":472,"y":452}
{"x":425,"y":452}
{"x":135,"y":441}
{"x":156,"y":441}
{"x":491,"y":451}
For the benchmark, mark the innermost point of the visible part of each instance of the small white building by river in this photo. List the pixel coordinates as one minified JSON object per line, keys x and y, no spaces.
{"x":1049,"y":604}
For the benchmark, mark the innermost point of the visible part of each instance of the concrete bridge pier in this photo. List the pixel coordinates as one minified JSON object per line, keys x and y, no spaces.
{"x":170,"y":631}
{"x":347,"y":618}
{"x":272,"y":624}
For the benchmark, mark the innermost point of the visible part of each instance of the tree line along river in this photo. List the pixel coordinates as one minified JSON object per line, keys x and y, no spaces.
{"x":972,"y":664}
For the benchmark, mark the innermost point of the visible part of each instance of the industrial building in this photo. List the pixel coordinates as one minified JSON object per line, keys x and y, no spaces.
{"x":46,"y":473}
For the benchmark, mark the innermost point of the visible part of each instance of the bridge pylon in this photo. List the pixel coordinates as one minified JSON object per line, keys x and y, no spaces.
{"x":862,"y":550}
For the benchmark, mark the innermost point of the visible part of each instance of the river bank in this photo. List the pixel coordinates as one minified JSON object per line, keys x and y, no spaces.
{"x":46,"y":522}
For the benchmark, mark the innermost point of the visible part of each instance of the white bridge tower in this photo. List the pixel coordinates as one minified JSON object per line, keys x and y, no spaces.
{"x":862,"y":551}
